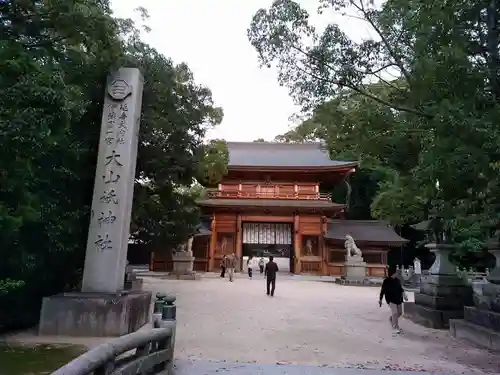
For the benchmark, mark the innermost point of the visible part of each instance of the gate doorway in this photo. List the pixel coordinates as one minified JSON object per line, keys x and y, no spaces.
{"x":269,"y":239}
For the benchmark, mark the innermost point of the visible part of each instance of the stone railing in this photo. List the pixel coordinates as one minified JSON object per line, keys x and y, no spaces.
{"x":147,"y":352}
{"x":410,"y":279}
{"x":469,"y":276}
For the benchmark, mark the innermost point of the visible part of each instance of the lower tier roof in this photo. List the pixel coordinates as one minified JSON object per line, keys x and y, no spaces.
{"x":372,"y":231}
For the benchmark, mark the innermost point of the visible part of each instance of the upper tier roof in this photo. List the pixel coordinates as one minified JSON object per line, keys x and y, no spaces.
{"x":285,"y":155}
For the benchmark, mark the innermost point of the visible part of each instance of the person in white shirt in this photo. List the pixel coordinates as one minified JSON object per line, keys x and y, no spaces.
{"x":261,"y":265}
{"x":249,"y":266}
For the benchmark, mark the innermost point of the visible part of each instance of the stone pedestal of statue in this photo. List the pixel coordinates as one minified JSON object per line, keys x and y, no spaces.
{"x":355,"y":268}
{"x":443,"y":294}
{"x":481,"y":322}
{"x":183,"y":264}
{"x":103,"y":308}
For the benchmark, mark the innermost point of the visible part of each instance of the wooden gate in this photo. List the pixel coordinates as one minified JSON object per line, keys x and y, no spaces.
{"x":267,"y":233}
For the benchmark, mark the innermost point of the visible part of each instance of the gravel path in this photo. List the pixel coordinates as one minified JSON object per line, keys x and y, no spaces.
{"x":313,"y":323}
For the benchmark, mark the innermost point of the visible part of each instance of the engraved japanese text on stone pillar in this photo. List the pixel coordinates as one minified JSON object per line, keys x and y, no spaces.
{"x":107,"y":242}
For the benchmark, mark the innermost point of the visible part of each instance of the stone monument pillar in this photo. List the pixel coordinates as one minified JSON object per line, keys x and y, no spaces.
{"x":106,"y":255}
{"x":443,"y":293}
{"x":481,"y":323}
{"x":103,"y":308}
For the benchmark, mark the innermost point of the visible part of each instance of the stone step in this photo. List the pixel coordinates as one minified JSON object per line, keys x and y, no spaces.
{"x":475,"y":334}
{"x":484,"y":318}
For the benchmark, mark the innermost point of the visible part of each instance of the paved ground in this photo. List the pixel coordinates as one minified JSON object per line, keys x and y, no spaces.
{"x":200,"y":367}
{"x":306,"y":323}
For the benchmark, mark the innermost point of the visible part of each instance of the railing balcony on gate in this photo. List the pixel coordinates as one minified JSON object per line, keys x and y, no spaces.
{"x":215,"y":193}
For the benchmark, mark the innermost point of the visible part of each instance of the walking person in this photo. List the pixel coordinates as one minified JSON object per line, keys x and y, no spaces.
{"x":223,"y":266}
{"x":250,"y":266}
{"x":261,"y":265}
{"x":230,"y":265}
{"x":270,"y":273}
{"x":394,"y":296}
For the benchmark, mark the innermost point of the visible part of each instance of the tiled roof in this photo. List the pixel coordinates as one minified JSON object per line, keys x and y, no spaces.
{"x":372,"y":231}
{"x":272,"y":154}
{"x":202,"y":229}
{"x":268,"y":203}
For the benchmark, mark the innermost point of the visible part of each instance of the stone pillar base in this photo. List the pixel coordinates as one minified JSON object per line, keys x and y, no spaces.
{"x":355,"y":270}
{"x":475,"y":334}
{"x":487,"y":296}
{"x":481,"y":323}
{"x":94,"y":314}
{"x":183,"y":267}
{"x":441,"y":298}
{"x":430,"y":317}
{"x":133,"y":285}
{"x":183,"y":262}
{"x":183,"y":276}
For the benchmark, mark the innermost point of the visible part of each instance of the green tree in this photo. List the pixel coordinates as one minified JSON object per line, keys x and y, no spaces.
{"x":171,"y":150}
{"x":354,"y":128}
{"x":433,"y":123}
{"x":214,"y":158}
{"x":55,"y":57}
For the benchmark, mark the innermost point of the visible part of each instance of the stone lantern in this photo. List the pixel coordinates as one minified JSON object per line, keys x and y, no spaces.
{"x":442,"y":294}
{"x":493,"y":245}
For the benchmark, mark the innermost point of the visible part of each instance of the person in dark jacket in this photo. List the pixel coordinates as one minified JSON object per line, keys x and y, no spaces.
{"x":270,"y":274}
{"x":394,"y":296}
{"x":223,"y":266}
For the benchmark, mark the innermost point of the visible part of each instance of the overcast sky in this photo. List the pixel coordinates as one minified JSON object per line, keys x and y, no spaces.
{"x":211,"y":37}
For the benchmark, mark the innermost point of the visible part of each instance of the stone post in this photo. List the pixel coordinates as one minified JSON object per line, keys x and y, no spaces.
{"x":168,"y":318}
{"x":103,"y":308}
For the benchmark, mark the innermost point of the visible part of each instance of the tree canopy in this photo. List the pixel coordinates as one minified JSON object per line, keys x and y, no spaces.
{"x":55,"y":56}
{"x":416,"y":101}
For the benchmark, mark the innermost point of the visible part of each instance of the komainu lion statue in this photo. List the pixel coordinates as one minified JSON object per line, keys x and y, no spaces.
{"x":350,"y":246}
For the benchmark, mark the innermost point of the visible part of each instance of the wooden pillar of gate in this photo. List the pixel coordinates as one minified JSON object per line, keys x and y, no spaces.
{"x":239,"y":245}
{"x":296,"y":243}
{"x":323,"y":247}
{"x":213,"y":244}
